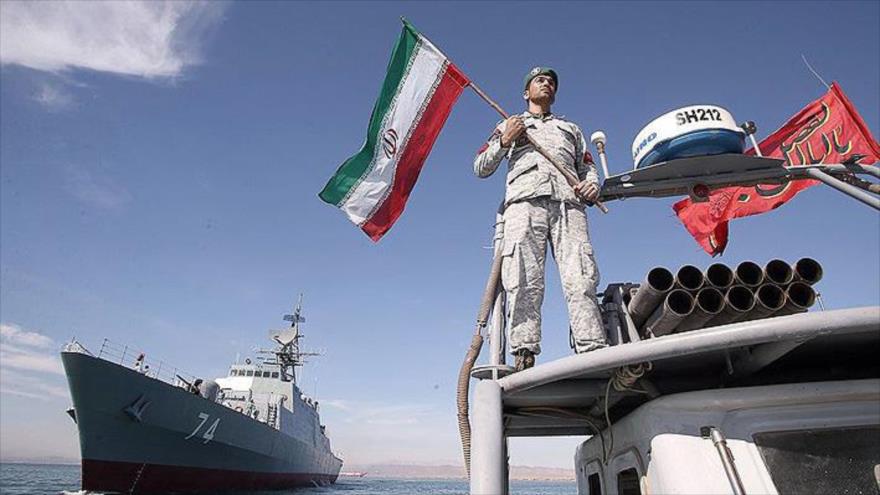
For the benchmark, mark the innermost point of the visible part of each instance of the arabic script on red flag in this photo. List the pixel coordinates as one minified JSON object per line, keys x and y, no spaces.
{"x":828,"y":130}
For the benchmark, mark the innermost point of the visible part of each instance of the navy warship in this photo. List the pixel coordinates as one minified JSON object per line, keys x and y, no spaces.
{"x":149,"y":429}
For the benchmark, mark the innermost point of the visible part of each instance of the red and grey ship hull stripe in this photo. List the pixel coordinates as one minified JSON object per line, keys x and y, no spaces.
{"x":131,"y":477}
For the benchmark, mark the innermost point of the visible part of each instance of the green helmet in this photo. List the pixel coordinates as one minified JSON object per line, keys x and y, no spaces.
{"x":540,"y":71}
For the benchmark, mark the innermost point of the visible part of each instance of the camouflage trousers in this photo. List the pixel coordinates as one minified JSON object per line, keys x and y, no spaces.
{"x":528,"y":226}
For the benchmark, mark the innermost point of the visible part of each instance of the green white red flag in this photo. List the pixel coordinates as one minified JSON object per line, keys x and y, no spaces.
{"x":827,"y":130}
{"x":420,"y":88}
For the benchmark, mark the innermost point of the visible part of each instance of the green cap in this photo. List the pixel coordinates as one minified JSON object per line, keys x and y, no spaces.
{"x":540,"y":71}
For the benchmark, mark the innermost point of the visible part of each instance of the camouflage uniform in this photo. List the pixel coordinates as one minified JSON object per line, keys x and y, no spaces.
{"x":541,"y":206}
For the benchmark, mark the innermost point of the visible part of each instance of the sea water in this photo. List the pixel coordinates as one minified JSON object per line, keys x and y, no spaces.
{"x":45,"y":479}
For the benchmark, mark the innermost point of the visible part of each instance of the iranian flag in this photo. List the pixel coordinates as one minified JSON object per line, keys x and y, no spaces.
{"x":421,"y":86}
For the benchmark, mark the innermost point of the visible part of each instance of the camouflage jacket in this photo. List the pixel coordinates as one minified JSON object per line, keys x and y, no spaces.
{"x":529,"y":174}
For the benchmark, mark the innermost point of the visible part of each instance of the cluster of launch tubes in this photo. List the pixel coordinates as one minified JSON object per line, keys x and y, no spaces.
{"x":691,"y":299}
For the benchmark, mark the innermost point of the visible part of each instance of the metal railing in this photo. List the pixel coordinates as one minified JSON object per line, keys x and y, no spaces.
{"x":140,"y":361}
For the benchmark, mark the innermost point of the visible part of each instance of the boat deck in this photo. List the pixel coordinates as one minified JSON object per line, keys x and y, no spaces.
{"x":564,"y":396}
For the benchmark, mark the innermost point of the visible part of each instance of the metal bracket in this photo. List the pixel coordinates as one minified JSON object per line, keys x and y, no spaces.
{"x":686,"y":176}
{"x":492,"y":371}
{"x":850,"y":190}
{"x":714,"y":434}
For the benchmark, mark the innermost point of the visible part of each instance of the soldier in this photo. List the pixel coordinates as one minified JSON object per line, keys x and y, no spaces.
{"x":139,"y":363}
{"x":540,"y":206}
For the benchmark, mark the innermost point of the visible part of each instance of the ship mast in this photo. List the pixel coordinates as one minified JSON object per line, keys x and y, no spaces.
{"x":288,"y":354}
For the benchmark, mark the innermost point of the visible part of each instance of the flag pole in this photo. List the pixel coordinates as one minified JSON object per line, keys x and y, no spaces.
{"x":569,"y":176}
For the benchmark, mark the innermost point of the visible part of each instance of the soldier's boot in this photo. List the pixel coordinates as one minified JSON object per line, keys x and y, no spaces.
{"x":525,"y":359}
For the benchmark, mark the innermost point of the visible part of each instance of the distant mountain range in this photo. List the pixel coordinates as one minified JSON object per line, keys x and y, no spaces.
{"x":455,"y":471}
{"x":56,"y":460}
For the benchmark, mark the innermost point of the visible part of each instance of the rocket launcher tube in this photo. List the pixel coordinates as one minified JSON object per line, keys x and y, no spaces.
{"x":749,"y":274}
{"x":719,"y":275}
{"x":689,"y":278}
{"x":707,"y":305}
{"x":798,"y":299}
{"x":675,"y":308}
{"x":778,"y":272}
{"x":769,"y":299}
{"x":649,"y":295}
{"x":807,"y":270}
{"x":738,"y":302}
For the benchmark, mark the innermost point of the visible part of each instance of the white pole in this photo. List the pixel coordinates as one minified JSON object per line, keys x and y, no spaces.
{"x":488,"y":455}
{"x":497,"y":330}
{"x":598,"y":139}
{"x":755,"y":145}
{"x":750,"y":129}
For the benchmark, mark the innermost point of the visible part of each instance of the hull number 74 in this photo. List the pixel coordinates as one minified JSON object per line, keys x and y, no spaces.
{"x":208,"y":435}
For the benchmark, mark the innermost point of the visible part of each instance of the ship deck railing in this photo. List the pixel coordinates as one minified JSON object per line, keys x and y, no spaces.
{"x":127,"y":355}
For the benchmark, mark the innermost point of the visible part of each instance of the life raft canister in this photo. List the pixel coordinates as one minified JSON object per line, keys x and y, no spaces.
{"x":696,"y":130}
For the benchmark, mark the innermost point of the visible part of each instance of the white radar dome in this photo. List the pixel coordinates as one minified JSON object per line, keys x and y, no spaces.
{"x":694,"y":130}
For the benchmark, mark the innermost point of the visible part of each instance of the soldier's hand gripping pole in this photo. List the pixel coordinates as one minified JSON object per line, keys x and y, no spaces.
{"x":570,"y":177}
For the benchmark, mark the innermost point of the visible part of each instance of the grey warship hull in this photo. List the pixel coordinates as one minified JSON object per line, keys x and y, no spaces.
{"x":139,"y":434}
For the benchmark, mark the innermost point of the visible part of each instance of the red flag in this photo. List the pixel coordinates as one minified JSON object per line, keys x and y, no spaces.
{"x":827,"y":130}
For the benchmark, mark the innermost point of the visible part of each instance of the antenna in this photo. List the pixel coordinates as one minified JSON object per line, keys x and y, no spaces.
{"x":288,"y":354}
{"x":291,"y":334}
{"x":814,"y":72}
{"x":599,"y":140}
{"x":297,"y":316}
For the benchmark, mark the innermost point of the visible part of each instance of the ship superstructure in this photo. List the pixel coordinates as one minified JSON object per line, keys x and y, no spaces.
{"x":146,"y":429}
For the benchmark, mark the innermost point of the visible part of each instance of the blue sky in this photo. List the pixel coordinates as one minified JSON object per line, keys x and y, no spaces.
{"x":160,"y":172}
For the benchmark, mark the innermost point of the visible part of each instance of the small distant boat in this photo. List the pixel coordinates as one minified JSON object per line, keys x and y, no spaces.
{"x":353,"y":474}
